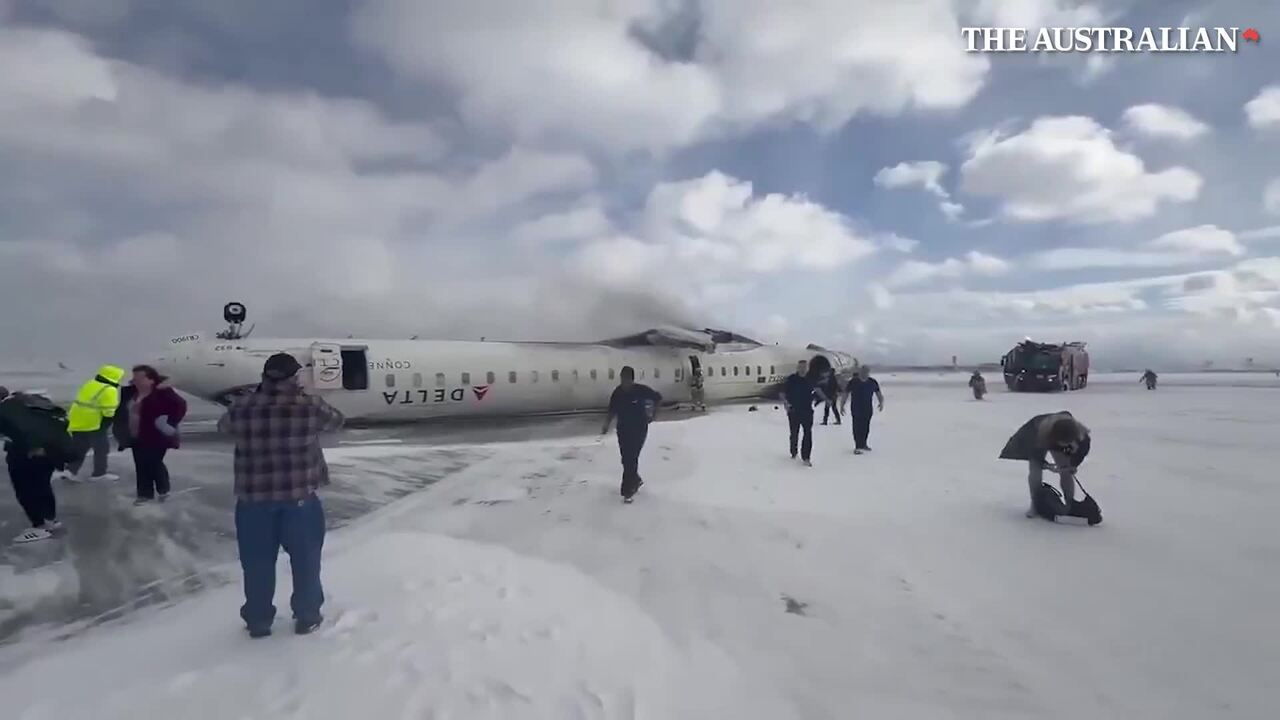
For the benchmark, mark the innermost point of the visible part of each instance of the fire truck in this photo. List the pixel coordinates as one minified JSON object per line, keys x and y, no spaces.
{"x":1045,"y":367}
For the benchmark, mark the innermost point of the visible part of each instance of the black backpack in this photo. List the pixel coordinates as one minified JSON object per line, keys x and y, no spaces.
{"x":1050,"y":505}
{"x":34,"y":422}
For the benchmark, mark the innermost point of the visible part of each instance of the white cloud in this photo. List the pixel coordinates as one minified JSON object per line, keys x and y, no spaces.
{"x":1263,"y":111}
{"x":952,"y":210}
{"x":580,"y":223}
{"x":1271,"y":197}
{"x":1189,"y":246}
{"x":1035,"y":14}
{"x":1068,"y":168}
{"x":881,"y":297}
{"x":901,"y":244}
{"x":1163,"y":121}
{"x":1202,"y":239}
{"x":714,"y":232}
{"x":580,"y":72}
{"x":913,"y":272}
{"x":924,"y":174}
{"x":1270,"y":232}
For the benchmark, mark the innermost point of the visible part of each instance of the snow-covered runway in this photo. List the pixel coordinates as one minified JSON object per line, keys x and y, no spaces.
{"x":900,"y":584}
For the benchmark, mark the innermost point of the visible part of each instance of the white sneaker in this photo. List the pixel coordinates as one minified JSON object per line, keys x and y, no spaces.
{"x":53,"y":525}
{"x":64,"y":475}
{"x":105,"y":477}
{"x":33,"y":535}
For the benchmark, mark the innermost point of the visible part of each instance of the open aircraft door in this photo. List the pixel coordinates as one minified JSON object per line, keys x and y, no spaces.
{"x":326,"y":362}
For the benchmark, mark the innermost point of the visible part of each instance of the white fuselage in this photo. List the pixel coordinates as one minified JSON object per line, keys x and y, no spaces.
{"x":409,"y":380}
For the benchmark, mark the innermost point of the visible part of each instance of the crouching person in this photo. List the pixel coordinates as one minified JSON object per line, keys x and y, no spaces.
{"x":1058,"y":435}
{"x":279,"y":467}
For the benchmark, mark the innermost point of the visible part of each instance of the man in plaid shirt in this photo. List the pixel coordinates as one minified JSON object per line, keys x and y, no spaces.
{"x":278,"y":468}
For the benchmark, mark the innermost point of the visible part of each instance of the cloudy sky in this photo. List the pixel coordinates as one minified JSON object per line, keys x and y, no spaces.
{"x":831,"y":171}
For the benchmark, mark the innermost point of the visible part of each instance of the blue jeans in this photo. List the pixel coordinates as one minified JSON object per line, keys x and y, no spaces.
{"x":261,"y":529}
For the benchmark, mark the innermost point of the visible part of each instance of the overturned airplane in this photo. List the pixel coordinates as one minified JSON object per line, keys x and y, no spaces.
{"x":410,"y":380}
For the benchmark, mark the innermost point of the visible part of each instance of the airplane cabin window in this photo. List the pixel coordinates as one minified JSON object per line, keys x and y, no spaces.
{"x":610,"y":373}
{"x":575,"y":376}
{"x":759,"y":370}
{"x":723,"y":371}
{"x":417,"y":380}
{"x":490,"y":378}
{"x":466,"y":378}
{"x":679,"y":373}
{"x":555,"y":376}
{"x":594,"y":376}
{"x":656,"y":376}
{"x":533,"y":376}
{"x":746,"y":370}
{"x":511,"y":376}
{"x":391,"y":380}
{"x":439,"y":379}
{"x":772,"y":371}
{"x":735,"y":371}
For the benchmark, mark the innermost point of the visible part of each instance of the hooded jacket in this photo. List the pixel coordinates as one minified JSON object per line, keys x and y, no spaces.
{"x":96,"y":401}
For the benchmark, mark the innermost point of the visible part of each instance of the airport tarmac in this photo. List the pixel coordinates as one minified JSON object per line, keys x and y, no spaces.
{"x":115,"y":558}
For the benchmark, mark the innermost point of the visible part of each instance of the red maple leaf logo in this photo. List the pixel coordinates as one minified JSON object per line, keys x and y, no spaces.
{"x":480,"y":391}
{"x":1251,"y":35}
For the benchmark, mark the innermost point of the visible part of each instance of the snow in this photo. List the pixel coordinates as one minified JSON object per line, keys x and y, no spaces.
{"x":904,"y":583}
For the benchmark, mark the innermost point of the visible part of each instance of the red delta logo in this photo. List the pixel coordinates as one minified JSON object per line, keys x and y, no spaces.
{"x":1251,"y":35}
{"x":480,"y":391}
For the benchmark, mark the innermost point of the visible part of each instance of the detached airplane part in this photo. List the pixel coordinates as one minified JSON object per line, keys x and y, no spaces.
{"x":411,"y":380}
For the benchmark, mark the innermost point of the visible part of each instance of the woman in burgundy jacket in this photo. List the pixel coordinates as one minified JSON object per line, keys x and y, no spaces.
{"x":147,"y":423}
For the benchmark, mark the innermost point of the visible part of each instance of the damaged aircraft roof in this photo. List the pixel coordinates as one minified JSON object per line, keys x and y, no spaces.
{"x":705,"y":339}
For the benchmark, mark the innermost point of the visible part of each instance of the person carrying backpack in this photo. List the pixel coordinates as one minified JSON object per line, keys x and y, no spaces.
{"x":1060,"y":436}
{"x":37,"y":444}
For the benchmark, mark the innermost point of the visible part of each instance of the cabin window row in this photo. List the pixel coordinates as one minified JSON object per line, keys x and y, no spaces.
{"x":514,"y":377}
{"x":746,"y":370}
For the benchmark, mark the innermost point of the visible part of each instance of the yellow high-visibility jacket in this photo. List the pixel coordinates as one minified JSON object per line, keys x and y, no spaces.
{"x":96,"y":400}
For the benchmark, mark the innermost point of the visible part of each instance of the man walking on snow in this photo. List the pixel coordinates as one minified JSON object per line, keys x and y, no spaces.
{"x":279,"y":467}
{"x":634,"y":405}
{"x":861,"y":389}
{"x":797,"y":396}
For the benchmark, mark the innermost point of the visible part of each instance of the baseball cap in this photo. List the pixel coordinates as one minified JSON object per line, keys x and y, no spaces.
{"x":280,"y":366}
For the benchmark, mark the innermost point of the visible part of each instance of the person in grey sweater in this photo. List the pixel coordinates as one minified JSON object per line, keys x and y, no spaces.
{"x":1060,"y":437}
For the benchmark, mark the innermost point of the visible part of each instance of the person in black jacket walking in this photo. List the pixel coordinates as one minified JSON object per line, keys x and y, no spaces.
{"x":797,"y":395}
{"x":634,"y":405}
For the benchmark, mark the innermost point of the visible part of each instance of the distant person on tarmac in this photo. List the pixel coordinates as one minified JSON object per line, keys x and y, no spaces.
{"x":635,"y":406}
{"x":1058,"y":435}
{"x":147,"y":424}
{"x":36,"y":444}
{"x":862,"y":388}
{"x":697,"y":389}
{"x":279,"y":467}
{"x":831,"y":389}
{"x":978,"y":384}
{"x":798,"y":395}
{"x":1149,"y":377}
{"x":91,"y":414}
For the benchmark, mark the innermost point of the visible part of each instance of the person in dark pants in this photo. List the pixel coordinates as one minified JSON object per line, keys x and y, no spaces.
{"x":831,"y":388}
{"x":797,"y":395}
{"x":148,"y":425}
{"x":861,"y":389}
{"x":634,"y":405}
{"x":278,"y":469}
{"x":30,"y":470}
